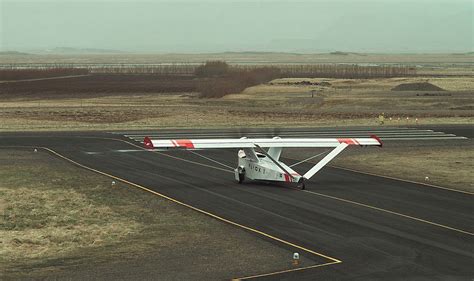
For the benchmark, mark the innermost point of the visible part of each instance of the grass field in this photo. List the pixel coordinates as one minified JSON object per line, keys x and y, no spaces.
{"x":282,"y":102}
{"x":59,"y":220}
{"x":444,"y":166}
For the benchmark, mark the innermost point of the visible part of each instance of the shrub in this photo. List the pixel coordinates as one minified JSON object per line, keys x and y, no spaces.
{"x":235,"y":80}
{"x":212,"y":69}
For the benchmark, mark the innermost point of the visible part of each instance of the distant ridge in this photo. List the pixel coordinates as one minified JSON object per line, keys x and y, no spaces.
{"x":257,"y":53}
{"x":463,"y":54}
{"x":70,"y":50}
{"x":13,"y":53}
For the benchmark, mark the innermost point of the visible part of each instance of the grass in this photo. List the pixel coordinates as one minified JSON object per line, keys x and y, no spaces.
{"x":276,"y":104}
{"x":444,"y":166}
{"x":59,"y":220}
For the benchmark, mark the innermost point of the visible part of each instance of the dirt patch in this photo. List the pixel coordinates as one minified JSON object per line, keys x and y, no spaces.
{"x":99,"y":85}
{"x":421,"y":86}
{"x":95,"y":115}
{"x":20,"y":74}
{"x":303,"y":83}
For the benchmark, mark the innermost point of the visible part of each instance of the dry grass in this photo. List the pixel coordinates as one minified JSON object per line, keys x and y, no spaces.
{"x":448,"y":83}
{"x":47,"y":223}
{"x":58,"y":220}
{"x":367,"y":97}
{"x":444,"y":166}
{"x":110,"y":118}
{"x":279,"y":103}
{"x":47,"y":214}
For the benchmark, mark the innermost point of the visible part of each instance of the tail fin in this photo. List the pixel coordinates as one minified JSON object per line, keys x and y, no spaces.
{"x":275,"y":152}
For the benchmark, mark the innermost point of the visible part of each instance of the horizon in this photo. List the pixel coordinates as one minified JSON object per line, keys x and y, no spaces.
{"x":98,"y":51}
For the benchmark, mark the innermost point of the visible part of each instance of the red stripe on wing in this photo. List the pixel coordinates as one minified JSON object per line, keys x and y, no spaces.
{"x":377,"y":139}
{"x":348,"y":141}
{"x":147,"y":143}
{"x":185,"y":143}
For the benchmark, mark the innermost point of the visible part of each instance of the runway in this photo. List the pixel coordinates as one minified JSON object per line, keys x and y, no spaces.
{"x":378,"y":228}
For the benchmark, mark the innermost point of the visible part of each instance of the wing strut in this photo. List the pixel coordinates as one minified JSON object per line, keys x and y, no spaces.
{"x":325,"y":160}
{"x":309,"y":158}
{"x":274,"y":161}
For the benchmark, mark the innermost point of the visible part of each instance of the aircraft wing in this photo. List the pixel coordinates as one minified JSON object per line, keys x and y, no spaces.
{"x":262,"y":142}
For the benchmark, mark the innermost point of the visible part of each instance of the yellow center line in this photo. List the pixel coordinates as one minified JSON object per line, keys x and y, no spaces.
{"x":333,"y":260}
{"x":286,"y":271}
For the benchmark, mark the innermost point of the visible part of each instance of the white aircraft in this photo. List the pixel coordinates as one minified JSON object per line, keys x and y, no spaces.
{"x":255,"y":163}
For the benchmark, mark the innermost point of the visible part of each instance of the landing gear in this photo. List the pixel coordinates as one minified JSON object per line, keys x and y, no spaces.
{"x":240,"y":174}
{"x":241,"y":177}
{"x":301,"y":184}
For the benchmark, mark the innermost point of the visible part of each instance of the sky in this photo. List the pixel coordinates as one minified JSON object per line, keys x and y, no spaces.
{"x":380,"y":26}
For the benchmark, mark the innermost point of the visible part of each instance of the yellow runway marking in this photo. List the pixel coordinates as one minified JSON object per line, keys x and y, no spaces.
{"x":390,"y":212}
{"x":286,"y":271}
{"x":333,"y":260}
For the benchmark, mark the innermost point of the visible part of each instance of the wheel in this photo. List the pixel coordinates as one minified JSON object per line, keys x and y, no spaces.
{"x":301,"y":184}
{"x":242,"y":176}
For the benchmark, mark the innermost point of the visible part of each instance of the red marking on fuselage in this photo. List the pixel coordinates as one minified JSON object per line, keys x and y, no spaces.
{"x":185,"y":143}
{"x":287,"y":178}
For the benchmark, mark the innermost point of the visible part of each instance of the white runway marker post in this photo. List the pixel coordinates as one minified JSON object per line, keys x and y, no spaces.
{"x":296,"y":259}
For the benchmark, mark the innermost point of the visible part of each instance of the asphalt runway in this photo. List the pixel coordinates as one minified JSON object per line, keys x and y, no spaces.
{"x":360,"y":227}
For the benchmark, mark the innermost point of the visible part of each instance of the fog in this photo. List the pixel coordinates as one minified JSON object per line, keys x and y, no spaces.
{"x":218,"y":26}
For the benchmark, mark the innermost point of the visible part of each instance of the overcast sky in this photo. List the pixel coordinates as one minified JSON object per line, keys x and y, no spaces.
{"x":245,"y":25}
